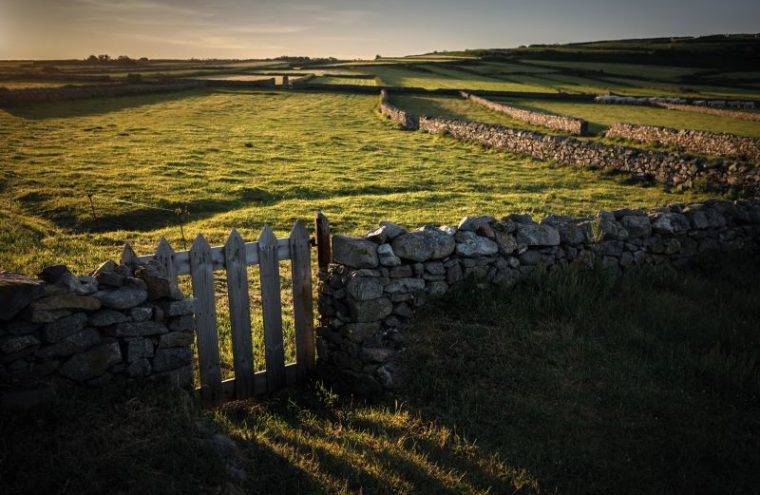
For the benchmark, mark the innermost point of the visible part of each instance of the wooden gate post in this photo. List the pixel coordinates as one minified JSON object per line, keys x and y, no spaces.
{"x":322,"y":233}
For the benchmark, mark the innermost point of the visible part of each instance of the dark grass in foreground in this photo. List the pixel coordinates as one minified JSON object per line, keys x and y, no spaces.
{"x":575,"y":382}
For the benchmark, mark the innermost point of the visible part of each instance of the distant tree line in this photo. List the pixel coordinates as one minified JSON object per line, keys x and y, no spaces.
{"x":120,"y":60}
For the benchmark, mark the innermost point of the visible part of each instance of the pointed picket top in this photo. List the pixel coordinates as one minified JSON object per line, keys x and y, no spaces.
{"x":128,"y":256}
{"x":267,"y":239}
{"x":299,"y":232}
{"x":234,"y":249}
{"x":234,"y":239}
{"x":165,"y":255}
{"x":200,"y":244}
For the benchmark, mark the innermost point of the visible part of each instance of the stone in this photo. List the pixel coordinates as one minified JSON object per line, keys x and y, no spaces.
{"x":607,"y":228}
{"x":91,"y":364}
{"x":403,"y":310}
{"x":359,"y":332}
{"x":355,"y":252}
{"x":530,"y":258}
{"x":12,"y":345}
{"x":139,"y":368}
{"x":121,"y":298}
{"x":109,"y":273}
{"x":401,"y":271}
{"x":435,"y":268}
{"x":474,"y":223}
{"x":671,"y":223}
{"x":52,"y":274}
{"x":137,"y":329}
{"x":376,"y":355}
{"x":470,"y":244}
{"x":364,"y":288}
{"x":404,"y":285}
{"x":372,"y":310}
{"x":176,"y":339}
{"x":506,"y":242}
{"x":386,"y":232}
{"x":437,"y":287}
{"x":386,"y":256}
{"x":66,"y":301}
{"x":45,"y":316}
{"x":517,"y":218}
{"x":60,"y":329}
{"x":185,"y":323}
{"x":637,"y":226}
{"x":179,"y":308}
{"x":71,"y":344}
{"x":20,"y":327}
{"x":87,"y":285}
{"x":172,"y":359}
{"x":454,"y":274}
{"x":139,"y":349}
{"x":158,"y":283}
{"x":531,"y":234}
{"x":141,"y":313}
{"x":17,"y":292}
{"x":425,"y":244}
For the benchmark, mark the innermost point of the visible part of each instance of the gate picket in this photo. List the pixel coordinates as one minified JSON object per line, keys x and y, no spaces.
{"x":271,"y":306}
{"x":303,"y":306}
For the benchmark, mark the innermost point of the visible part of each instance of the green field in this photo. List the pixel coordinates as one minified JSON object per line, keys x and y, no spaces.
{"x":239,"y":159}
{"x":44,"y":84}
{"x":356,"y":81}
{"x":601,"y":116}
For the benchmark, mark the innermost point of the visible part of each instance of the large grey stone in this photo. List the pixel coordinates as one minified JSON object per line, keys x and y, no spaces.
{"x":474,"y":223}
{"x":17,"y":292}
{"x":671,"y":223}
{"x":372,"y":310}
{"x":93,"y":363}
{"x":637,"y":226}
{"x":71,"y":344}
{"x":355,"y":252}
{"x":386,"y":256}
{"x":531,"y":234}
{"x":506,"y":242}
{"x":159,"y":285}
{"x":139,"y":349}
{"x":359,"y":332}
{"x":606,"y":228}
{"x":171,"y":359}
{"x":386,"y":232}
{"x":66,"y":301}
{"x":176,"y":339}
{"x":60,"y":329}
{"x":404,"y":285}
{"x":470,"y":244}
{"x":179,"y":308}
{"x":122,"y":298}
{"x":137,"y":329}
{"x":425,"y":244}
{"x":364,"y":288}
{"x":14,"y":344}
{"x":106,"y":317}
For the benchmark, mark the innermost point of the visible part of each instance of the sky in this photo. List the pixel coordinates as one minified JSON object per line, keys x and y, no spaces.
{"x":54,"y":29}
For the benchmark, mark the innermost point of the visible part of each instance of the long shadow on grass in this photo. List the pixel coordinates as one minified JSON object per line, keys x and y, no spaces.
{"x":96,"y":106}
{"x":647,"y":383}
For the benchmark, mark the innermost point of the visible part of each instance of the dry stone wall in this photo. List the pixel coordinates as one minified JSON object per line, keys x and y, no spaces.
{"x":375,"y":283}
{"x":60,"y":331}
{"x":710,"y":143}
{"x":406,"y":120}
{"x":735,"y":114}
{"x":558,"y":122}
{"x":10,"y":97}
{"x":677,"y":170}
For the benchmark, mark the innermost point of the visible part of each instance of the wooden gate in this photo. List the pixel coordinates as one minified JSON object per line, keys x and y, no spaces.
{"x":201,"y":261}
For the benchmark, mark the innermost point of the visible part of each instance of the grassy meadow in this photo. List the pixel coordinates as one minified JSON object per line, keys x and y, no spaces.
{"x":239,"y":159}
{"x":578,"y":382}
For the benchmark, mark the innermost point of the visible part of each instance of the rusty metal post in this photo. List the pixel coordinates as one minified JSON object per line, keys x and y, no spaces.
{"x":322,"y":238}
